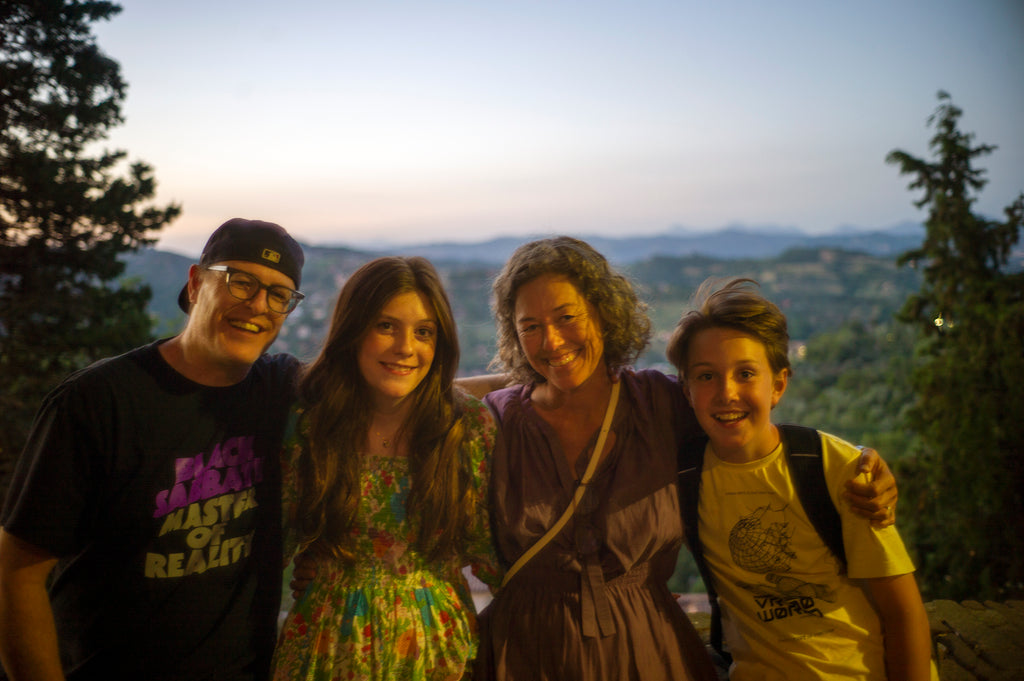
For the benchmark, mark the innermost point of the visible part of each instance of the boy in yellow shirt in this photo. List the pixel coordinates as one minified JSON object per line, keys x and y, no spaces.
{"x":790,"y":609}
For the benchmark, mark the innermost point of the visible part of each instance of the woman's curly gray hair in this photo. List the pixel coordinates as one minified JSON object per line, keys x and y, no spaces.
{"x":624,"y":323}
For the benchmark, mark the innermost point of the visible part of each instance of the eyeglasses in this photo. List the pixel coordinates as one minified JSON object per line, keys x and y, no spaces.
{"x":244,"y":286}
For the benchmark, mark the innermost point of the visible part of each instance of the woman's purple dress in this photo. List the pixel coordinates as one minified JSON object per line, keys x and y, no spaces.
{"x":593,"y":604}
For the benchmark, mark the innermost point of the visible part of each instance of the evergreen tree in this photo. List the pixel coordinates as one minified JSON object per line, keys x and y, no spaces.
{"x":966,"y":514}
{"x":67,"y":210}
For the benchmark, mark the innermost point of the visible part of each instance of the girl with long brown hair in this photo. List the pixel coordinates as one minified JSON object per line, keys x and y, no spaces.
{"x":385,"y":484}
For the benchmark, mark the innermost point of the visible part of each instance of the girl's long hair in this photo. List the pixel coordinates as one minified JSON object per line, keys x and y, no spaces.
{"x":338,"y":414}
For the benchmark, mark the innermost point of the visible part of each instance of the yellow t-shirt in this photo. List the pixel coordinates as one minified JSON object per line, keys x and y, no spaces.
{"x":787,"y":612}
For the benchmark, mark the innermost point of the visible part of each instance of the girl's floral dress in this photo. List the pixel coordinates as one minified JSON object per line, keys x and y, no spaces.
{"x":392,"y":614}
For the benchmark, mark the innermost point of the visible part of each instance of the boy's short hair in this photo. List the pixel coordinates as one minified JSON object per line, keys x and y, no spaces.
{"x":736,"y":304}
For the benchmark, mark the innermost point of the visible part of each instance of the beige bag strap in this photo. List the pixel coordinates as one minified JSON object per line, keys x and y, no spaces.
{"x":580,"y":490}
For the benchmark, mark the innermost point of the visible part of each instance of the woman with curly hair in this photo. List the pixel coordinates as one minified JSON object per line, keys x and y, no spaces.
{"x":593,"y":602}
{"x":385,"y":486}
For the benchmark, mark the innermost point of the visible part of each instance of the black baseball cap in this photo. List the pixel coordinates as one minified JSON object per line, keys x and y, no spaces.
{"x":263,"y":243}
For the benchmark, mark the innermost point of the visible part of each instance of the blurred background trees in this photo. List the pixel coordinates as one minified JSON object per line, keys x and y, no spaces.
{"x":962,"y":493}
{"x":68,"y":210}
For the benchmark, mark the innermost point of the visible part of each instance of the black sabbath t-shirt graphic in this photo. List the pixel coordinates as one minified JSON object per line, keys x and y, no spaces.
{"x":208,"y":514}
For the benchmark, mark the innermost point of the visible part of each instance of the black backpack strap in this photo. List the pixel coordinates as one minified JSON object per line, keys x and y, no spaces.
{"x":804,"y":455}
{"x":690,"y":461}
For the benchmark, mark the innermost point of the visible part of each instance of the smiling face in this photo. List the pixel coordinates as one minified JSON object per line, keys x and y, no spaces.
{"x":732,"y":388}
{"x":224,"y":335}
{"x":396,"y":353}
{"x":559,"y":332}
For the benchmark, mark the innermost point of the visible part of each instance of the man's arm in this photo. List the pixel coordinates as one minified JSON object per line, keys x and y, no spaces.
{"x":908,"y":641}
{"x":28,"y":635}
{"x":303,"y":573}
{"x":876,"y":498}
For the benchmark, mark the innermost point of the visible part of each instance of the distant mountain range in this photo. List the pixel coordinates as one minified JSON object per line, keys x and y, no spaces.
{"x":730,"y":243}
{"x":669,"y":265}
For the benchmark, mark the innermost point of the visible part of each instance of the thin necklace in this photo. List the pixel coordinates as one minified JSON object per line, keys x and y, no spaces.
{"x":385,"y":441}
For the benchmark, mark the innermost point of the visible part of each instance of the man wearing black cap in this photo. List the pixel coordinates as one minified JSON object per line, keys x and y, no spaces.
{"x":150,"y":482}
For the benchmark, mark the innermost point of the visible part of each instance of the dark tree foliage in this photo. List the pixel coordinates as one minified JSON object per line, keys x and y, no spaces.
{"x":67,"y":210}
{"x":854,"y":382}
{"x":963,"y":493}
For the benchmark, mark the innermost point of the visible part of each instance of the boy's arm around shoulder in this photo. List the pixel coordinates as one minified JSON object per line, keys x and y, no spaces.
{"x":28,"y":635}
{"x":908,"y":643}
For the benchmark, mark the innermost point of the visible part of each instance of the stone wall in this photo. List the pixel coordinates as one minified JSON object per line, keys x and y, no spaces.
{"x":978,"y":641}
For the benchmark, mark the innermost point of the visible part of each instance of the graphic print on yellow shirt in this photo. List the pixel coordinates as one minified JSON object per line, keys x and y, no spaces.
{"x":760,"y":542}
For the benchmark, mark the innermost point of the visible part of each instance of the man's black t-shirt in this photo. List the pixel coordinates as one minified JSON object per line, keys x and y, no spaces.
{"x":161,"y":498}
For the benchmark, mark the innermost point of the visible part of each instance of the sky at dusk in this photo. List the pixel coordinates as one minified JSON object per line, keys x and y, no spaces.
{"x":427,"y":120}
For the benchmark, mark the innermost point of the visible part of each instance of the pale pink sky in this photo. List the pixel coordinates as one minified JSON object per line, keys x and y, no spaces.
{"x":352,"y":122}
